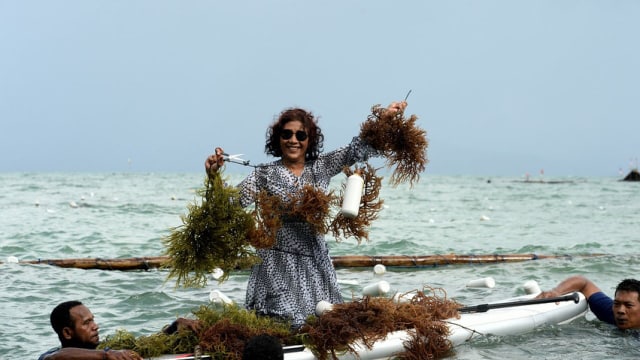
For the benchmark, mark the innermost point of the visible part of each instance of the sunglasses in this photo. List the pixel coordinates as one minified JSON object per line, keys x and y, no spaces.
{"x":300,"y":134}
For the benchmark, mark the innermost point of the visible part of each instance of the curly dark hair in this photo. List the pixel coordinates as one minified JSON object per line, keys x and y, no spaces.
{"x":316,"y":138}
{"x":629,"y":285}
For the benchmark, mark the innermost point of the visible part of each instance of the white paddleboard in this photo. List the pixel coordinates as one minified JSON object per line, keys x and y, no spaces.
{"x":501,"y":322}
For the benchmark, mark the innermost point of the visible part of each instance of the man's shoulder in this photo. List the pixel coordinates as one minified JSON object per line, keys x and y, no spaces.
{"x":599,"y":296}
{"x":49,"y":352}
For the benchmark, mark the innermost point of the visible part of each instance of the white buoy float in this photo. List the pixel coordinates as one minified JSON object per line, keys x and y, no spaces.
{"x":217,"y":273}
{"x":12,"y":260}
{"x":216,"y":296}
{"x":379,"y":269}
{"x":399,"y":298}
{"x":323,"y":306}
{"x":531,"y":287}
{"x":348,"y":282}
{"x":487,"y":282}
{"x":380,"y":288}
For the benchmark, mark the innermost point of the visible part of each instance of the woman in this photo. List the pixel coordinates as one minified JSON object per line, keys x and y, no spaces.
{"x":297,"y":272}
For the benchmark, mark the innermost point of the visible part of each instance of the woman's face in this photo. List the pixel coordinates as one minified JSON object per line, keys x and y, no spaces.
{"x":293,"y":142}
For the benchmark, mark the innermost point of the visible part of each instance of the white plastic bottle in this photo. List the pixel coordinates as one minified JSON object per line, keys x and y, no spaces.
{"x":352,"y":195}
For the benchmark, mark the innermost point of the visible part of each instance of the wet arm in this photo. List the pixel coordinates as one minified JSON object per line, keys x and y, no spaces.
{"x":571,"y":284}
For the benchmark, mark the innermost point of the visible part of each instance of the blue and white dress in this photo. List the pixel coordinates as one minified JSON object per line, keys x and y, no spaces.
{"x":297,"y":272}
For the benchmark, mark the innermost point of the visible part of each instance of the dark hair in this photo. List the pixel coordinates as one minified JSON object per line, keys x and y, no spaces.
{"x":61,"y":317}
{"x":630,"y":285}
{"x":316,"y":138}
{"x":264,"y":347}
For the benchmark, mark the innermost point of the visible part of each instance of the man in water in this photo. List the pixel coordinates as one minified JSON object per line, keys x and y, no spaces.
{"x":622,"y":311}
{"x":78,"y":334}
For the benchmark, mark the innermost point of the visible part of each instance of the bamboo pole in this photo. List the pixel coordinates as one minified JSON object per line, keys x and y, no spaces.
{"x":136,"y":263}
{"x":346,"y":261}
{"x":433,"y":260}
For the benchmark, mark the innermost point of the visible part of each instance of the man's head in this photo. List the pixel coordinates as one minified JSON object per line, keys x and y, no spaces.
{"x":626,"y":304}
{"x":75,"y":326}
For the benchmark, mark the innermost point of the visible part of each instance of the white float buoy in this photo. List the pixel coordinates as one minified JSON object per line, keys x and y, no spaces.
{"x":379,"y":269}
{"x":348,"y":282}
{"x":12,"y":260}
{"x":73,"y":204}
{"x":216,"y":296}
{"x":531,"y":287}
{"x":378,"y":289}
{"x":323,"y":306}
{"x":217,"y":273}
{"x":487,"y":282}
{"x":399,"y":298}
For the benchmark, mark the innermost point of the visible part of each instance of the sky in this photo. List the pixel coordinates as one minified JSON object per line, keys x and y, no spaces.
{"x":502,"y":87}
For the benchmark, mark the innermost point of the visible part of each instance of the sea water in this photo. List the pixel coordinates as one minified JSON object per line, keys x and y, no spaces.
{"x":121,"y":215}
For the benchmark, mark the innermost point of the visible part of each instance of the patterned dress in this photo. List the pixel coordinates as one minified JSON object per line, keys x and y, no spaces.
{"x":297,"y":272}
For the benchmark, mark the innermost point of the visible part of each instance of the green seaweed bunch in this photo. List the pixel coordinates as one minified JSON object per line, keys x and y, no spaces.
{"x":225,"y":331}
{"x":152,"y":345}
{"x":213,"y":235}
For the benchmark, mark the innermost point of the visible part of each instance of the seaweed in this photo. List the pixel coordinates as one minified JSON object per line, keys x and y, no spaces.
{"x":213,"y":235}
{"x":227,"y":328}
{"x":400,"y":141}
{"x":152,"y":345}
{"x":225,"y":331}
{"x":363,"y":322}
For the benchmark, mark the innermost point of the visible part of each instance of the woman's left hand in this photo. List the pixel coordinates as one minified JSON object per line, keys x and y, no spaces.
{"x":397,"y":106}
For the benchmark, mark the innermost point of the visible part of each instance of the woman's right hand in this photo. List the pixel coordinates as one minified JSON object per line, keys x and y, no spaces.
{"x":214,"y":161}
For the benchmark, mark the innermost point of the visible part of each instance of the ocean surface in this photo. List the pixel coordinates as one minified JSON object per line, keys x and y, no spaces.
{"x":120,"y":215}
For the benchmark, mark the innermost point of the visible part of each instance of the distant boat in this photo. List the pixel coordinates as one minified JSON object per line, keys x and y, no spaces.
{"x":633,"y":175}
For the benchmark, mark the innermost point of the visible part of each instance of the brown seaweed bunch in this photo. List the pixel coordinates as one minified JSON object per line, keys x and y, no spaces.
{"x":400,"y":140}
{"x":310,"y":205}
{"x":227,"y":330}
{"x":370,"y":319}
{"x":370,"y":206}
{"x":313,"y":206}
{"x":268,"y":220}
{"x":213,"y":235}
{"x":429,"y":340}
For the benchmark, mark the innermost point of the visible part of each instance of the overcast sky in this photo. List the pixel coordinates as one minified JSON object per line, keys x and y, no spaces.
{"x":502,"y":87}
